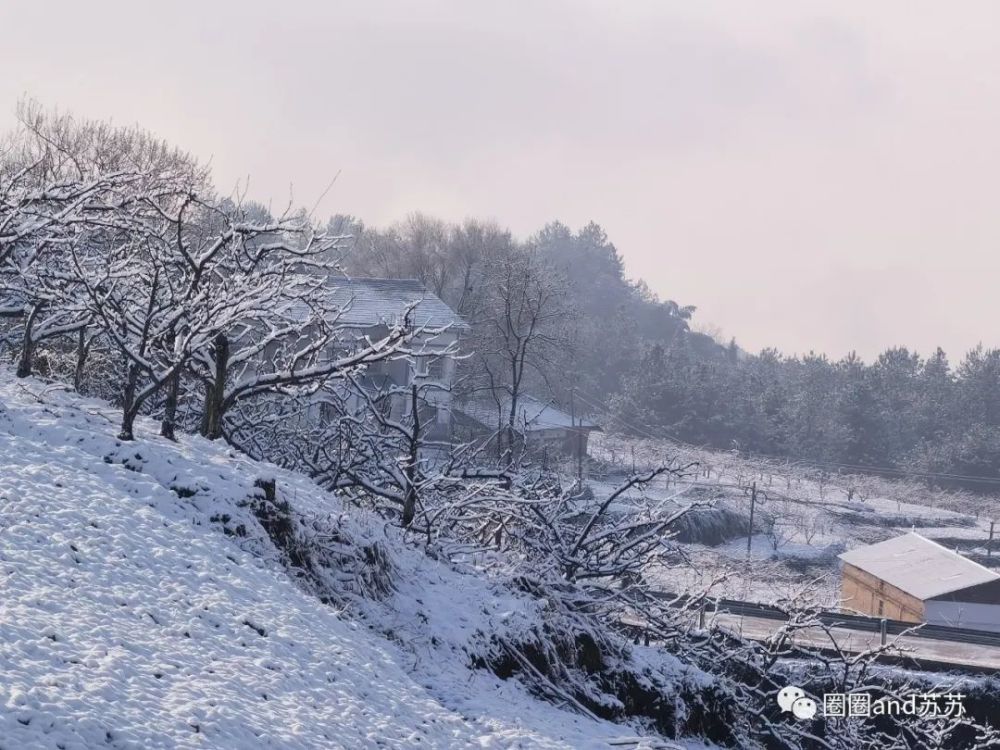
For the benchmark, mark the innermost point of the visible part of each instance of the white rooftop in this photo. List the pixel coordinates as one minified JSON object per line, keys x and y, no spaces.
{"x":371,"y":302}
{"x":919,"y":566}
{"x":532,"y":414}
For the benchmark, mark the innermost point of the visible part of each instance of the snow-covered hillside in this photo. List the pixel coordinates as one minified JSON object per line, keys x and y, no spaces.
{"x":139,"y":608}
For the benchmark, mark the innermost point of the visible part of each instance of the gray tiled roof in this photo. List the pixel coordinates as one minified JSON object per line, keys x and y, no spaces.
{"x":919,"y":566}
{"x":371,"y":302}
{"x":532,"y":414}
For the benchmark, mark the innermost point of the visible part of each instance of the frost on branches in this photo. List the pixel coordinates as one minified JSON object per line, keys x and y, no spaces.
{"x":125,"y":275}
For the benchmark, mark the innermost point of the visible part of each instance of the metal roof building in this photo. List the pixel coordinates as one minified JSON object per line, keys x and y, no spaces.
{"x":915,"y":579}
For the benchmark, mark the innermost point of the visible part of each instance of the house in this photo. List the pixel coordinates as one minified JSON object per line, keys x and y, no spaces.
{"x":370,"y":307}
{"x":542,"y":425}
{"x":914,"y":579}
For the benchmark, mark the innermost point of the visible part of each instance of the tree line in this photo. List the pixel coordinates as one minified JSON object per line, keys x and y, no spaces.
{"x":634,"y":362}
{"x":901,"y":411}
{"x":124,"y":271}
{"x":551,"y":315}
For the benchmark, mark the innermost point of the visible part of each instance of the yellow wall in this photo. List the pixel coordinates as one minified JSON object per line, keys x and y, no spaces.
{"x":862,"y":592}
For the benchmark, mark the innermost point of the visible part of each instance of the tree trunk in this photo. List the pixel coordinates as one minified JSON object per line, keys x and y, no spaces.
{"x":81,"y":357}
{"x":205,"y":409}
{"x":28,"y":344}
{"x":508,"y":429}
{"x":173,"y":384}
{"x":410,"y":498}
{"x":215,"y":395}
{"x":129,"y":408}
{"x":128,"y":425}
{"x":168,"y":423}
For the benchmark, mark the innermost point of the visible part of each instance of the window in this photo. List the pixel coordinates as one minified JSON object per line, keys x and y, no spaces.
{"x":431,"y":366}
{"x":436,"y":369}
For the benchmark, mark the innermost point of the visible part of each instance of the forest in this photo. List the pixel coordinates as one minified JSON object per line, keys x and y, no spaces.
{"x":640,"y":365}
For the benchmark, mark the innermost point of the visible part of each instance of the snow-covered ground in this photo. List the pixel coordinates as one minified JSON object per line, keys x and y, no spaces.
{"x":804,"y":518}
{"x":129,"y":619}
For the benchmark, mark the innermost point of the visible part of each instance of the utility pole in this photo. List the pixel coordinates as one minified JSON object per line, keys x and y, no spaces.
{"x":989,"y":544}
{"x":753,"y":502}
{"x":575,"y":432}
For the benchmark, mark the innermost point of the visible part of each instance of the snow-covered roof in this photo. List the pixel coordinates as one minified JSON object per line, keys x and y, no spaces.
{"x":532,"y":414}
{"x":919,"y":566}
{"x":372,"y":302}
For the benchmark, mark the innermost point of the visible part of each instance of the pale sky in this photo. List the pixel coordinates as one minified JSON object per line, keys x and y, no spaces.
{"x":810,"y":175}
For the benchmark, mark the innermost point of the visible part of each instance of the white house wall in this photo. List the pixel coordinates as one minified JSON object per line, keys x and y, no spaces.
{"x":963,"y":614}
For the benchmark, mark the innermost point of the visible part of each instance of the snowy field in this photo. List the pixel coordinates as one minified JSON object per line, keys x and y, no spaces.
{"x":128,"y":619}
{"x":803,"y":519}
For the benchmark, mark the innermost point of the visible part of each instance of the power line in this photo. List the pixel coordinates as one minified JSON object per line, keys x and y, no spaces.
{"x":593,"y":403}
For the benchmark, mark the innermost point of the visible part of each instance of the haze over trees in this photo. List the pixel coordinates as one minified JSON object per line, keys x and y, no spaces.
{"x":125,"y":275}
{"x":614,"y":350}
{"x":112,"y":241}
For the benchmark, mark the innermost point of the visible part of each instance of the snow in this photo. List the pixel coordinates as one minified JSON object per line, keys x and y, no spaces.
{"x":367,"y":303}
{"x":919,"y":566}
{"x":818,"y":515}
{"x":129,"y":620}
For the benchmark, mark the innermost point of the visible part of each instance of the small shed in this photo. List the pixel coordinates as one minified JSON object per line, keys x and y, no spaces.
{"x":915,"y":579}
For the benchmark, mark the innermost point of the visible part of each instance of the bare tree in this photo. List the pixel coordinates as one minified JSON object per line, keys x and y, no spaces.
{"x":295,"y":346}
{"x":519,"y":334}
{"x":360,"y":432}
{"x":183,"y":270}
{"x":56,"y":186}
